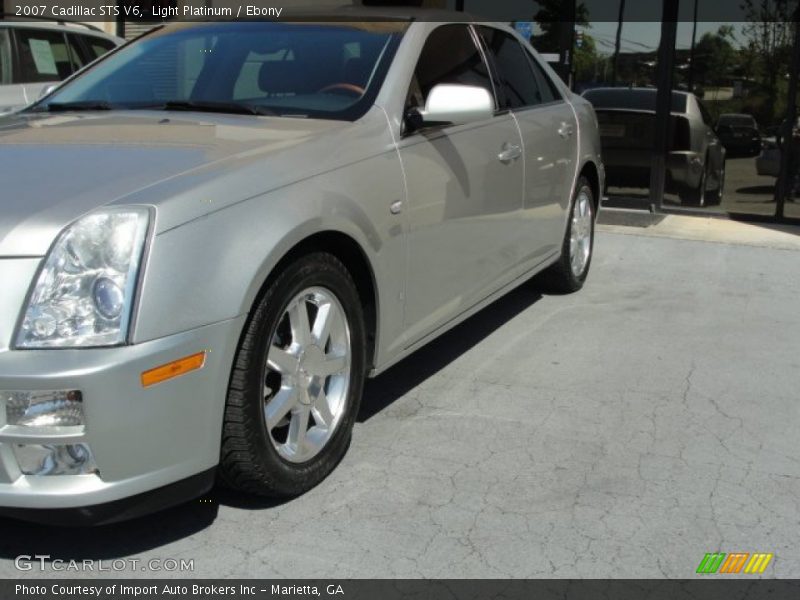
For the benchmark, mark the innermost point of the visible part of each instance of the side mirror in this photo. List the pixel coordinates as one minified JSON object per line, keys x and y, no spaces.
{"x":456,"y":104}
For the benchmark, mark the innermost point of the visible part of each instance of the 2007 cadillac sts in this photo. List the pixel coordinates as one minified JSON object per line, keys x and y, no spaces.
{"x":212,"y":235}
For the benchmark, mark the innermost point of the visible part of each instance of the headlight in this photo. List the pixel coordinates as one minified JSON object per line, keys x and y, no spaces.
{"x":85,"y":290}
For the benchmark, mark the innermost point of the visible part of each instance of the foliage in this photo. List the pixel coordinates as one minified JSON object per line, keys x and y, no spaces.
{"x":714,"y":56}
{"x":549,"y":17}
{"x":767,"y":54}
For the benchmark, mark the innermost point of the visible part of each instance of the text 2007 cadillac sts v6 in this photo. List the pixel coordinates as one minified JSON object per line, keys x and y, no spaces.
{"x":212,"y":235}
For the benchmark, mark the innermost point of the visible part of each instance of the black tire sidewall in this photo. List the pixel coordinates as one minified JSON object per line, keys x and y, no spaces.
{"x":315,"y":270}
{"x":578,"y":281}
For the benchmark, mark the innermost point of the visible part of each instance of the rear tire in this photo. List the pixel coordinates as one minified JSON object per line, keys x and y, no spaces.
{"x":569,"y":273}
{"x":714,"y":197}
{"x":696,"y":196}
{"x":296,"y":383}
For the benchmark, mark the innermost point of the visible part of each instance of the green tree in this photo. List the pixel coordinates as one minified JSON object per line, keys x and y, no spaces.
{"x":550,"y":17}
{"x":714,"y":56}
{"x":769,"y":34}
{"x":587,"y":63}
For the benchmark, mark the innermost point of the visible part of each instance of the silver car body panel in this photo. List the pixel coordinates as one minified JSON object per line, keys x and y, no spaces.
{"x":232,"y":196}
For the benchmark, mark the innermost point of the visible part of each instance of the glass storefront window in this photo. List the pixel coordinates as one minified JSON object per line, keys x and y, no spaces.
{"x":739,"y":74}
{"x":726,"y":135}
{"x":615,"y":66}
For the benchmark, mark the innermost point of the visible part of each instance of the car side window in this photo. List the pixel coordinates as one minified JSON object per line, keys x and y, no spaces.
{"x":98,"y":46}
{"x":86,"y":48}
{"x":550,"y":92}
{"x":43,"y":56}
{"x":450,"y":55}
{"x":5,"y":57}
{"x":78,"y":53}
{"x":516,"y":78}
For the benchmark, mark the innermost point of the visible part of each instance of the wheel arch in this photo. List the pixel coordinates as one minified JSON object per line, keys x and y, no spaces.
{"x":344,"y":247}
{"x":589,"y":170}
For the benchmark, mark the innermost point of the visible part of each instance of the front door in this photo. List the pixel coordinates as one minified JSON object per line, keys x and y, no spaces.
{"x":464,"y":192}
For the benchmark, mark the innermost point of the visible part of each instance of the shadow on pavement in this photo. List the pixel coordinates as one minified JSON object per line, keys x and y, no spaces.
{"x":760,"y":190}
{"x":107,"y":541}
{"x":382,"y":391}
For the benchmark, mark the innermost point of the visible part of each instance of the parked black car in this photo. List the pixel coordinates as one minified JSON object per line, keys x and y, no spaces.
{"x":739,"y":134}
{"x":696,"y":161}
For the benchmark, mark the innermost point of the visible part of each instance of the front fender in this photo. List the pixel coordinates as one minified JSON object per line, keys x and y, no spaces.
{"x":212,"y":268}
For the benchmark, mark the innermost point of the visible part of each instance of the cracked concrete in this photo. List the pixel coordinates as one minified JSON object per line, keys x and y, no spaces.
{"x":623,"y":431}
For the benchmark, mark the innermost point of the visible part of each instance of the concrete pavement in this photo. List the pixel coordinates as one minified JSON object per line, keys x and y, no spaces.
{"x":623,"y":431}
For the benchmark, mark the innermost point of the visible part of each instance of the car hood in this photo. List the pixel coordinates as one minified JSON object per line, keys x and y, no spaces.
{"x":56,"y":167}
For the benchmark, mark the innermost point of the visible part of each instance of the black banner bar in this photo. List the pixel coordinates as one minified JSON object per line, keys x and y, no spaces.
{"x":733,"y":588}
{"x":591,"y":11}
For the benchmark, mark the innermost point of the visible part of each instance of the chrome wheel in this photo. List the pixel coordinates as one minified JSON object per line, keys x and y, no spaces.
{"x":721,"y":184}
{"x":580,"y":241}
{"x":307,"y":375}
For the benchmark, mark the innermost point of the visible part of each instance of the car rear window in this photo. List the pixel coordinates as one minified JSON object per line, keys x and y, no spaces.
{"x":736,"y":120}
{"x":633,"y":99}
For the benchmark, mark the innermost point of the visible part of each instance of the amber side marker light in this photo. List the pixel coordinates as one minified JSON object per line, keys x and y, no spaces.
{"x":173,"y":369}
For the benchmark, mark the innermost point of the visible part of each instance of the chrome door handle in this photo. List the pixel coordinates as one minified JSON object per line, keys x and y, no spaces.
{"x":565,"y":130}
{"x":509,"y":152}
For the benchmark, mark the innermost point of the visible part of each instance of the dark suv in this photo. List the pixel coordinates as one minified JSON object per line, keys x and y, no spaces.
{"x":696,"y":161}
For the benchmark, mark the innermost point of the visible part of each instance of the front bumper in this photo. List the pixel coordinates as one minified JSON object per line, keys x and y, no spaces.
{"x":141,"y":438}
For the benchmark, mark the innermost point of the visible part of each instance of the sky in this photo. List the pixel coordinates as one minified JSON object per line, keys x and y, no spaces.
{"x":636,"y":36}
{"x":641,"y":37}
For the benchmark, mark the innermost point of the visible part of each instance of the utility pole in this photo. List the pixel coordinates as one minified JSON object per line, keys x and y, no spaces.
{"x":617,"y":43}
{"x":666,"y":55}
{"x":690,"y":78}
{"x":790,"y":162}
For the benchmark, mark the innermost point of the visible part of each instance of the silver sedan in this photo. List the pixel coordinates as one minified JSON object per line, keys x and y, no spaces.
{"x":212,"y":235}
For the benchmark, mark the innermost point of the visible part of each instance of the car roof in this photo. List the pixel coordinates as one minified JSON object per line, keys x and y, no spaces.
{"x":72,"y":27}
{"x":356,"y":13}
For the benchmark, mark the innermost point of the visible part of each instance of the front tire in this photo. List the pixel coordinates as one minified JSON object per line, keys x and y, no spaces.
{"x":569,"y":273}
{"x":297,"y":380}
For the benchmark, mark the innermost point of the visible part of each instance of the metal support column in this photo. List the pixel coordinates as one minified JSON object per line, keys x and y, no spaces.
{"x":666,"y":55}
{"x":789,"y":158}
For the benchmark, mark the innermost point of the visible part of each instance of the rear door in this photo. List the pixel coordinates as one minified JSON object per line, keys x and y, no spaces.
{"x":549,"y":135}
{"x":464,"y":191}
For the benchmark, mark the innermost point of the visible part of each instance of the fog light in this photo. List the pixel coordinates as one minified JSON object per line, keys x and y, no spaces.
{"x":54,"y":459}
{"x":61,"y":408}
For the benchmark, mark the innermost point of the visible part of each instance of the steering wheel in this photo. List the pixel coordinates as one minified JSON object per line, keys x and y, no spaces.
{"x":350,"y":88}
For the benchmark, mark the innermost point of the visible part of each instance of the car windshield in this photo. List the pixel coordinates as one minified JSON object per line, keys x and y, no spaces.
{"x":318,"y":70}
